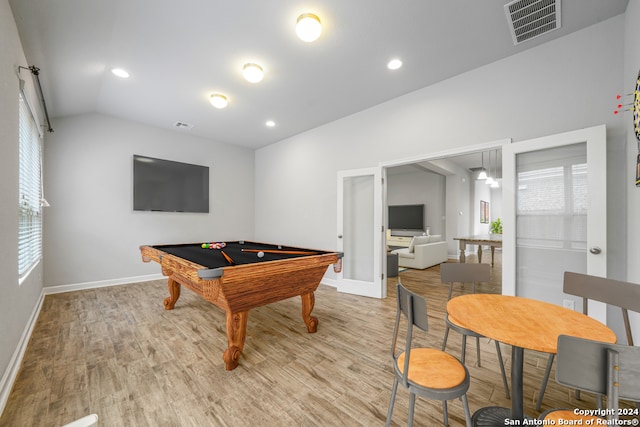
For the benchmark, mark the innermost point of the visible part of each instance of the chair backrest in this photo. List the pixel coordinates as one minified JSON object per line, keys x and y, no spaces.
{"x":463,"y":272}
{"x":414,"y":308}
{"x":614,"y":292}
{"x":602,"y":368}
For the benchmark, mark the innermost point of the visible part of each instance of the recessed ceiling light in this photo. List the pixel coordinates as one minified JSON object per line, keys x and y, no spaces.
{"x":270,"y":123}
{"x":308,"y":27}
{"x":218,"y":100}
{"x":394,"y":64}
{"x":252,"y":72}
{"x":120,"y":73}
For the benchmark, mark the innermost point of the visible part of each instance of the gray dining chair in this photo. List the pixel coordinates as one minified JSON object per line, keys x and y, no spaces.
{"x":425,"y":372}
{"x":453,"y":272}
{"x":624,"y":295}
{"x":605,"y":369}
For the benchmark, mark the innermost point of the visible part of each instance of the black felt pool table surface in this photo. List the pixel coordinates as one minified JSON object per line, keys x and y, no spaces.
{"x":213,"y":258}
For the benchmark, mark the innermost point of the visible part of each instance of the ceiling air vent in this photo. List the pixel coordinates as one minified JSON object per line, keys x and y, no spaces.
{"x":532,"y":18}
{"x":183,"y":125}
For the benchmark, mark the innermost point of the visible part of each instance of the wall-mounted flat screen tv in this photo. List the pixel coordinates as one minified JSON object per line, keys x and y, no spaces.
{"x":168,"y":186}
{"x":406,"y":217}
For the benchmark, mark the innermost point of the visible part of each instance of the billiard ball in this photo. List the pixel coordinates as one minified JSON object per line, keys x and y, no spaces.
{"x":260,"y":254}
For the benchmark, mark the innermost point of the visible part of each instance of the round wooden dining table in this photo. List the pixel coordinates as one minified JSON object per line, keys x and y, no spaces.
{"x":523,"y":323}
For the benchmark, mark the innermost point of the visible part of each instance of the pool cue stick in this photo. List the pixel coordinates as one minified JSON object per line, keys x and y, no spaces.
{"x":228,"y":258}
{"x":279,"y":251}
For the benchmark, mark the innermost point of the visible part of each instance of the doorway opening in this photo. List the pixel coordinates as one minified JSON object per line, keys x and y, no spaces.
{"x":457,"y":201}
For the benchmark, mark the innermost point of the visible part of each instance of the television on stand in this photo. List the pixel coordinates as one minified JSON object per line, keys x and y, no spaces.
{"x":406,"y":220}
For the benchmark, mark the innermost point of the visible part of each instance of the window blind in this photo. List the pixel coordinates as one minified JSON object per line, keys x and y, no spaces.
{"x":30,"y":191}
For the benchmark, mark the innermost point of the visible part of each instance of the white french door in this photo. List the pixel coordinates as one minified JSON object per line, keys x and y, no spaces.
{"x":554,"y":204}
{"x":360,"y":233}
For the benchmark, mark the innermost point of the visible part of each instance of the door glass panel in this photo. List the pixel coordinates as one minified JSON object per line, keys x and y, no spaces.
{"x":358,"y":221}
{"x":551,"y":219}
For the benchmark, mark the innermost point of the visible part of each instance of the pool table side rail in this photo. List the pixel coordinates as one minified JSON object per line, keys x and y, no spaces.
{"x":242,"y":287}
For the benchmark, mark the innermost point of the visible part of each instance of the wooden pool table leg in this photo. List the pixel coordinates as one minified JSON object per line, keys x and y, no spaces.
{"x":308,"y":301}
{"x":174,"y":294}
{"x":236,"y":333}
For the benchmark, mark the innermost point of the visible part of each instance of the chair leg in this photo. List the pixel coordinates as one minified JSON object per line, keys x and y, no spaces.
{"x":412,"y":404}
{"x":478,"y":351}
{"x":450,"y":290}
{"x":504,"y":375}
{"x":545,"y":380}
{"x":446,"y":335}
{"x":445,"y":411}
{"x":463,"y":355}
{"x":465,"y":406}
{"x":393,"y":399}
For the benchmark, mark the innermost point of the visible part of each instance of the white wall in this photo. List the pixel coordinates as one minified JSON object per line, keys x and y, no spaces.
{"x":416,"y":187}
{"x":91,"y":231}
{"x":459,"y":211}
{"x":495,"y":210}
{"x":560,"y":86}
{"x":481,"y":192}
{"x":17,"y":302}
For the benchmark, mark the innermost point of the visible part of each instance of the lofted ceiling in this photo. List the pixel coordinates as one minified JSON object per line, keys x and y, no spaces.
{"x":179,"y":53}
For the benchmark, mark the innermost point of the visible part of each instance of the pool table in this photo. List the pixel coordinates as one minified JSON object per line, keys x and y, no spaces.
{"x":240,"y":276}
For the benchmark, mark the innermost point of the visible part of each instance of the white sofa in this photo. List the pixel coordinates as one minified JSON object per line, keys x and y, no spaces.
{"x":423,"y":252}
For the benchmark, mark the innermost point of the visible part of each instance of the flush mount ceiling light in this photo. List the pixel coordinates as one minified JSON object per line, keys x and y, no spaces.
{"x":270,"y":123}
{"x":120,"y":73}
{"x":252,"y":72}
{"x":308,"y":27}
{"x":394,"y":64}
{"x":218,"y":100}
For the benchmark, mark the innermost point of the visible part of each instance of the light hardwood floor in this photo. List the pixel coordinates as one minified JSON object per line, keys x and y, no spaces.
{"x":115,"y":351}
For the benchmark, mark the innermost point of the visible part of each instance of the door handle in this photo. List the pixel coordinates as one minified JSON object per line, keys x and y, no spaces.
{"x":595,"y":250}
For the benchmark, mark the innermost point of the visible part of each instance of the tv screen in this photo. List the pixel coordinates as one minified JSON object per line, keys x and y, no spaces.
{"x":168,"y":186}
{"x":406,"y":217}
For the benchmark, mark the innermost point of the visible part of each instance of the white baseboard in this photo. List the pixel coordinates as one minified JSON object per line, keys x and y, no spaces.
{"x":11,"y":373}
{"x":50,"y":290}
{"x":330,"y":282}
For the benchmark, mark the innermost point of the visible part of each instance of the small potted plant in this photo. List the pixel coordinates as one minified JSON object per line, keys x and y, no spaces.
{"x":496,"y":226}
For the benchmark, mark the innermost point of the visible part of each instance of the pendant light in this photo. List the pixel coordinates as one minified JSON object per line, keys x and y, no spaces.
{"x":495,"y":183}
{"x":489,"y":180}
{"x":483,"y":173}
